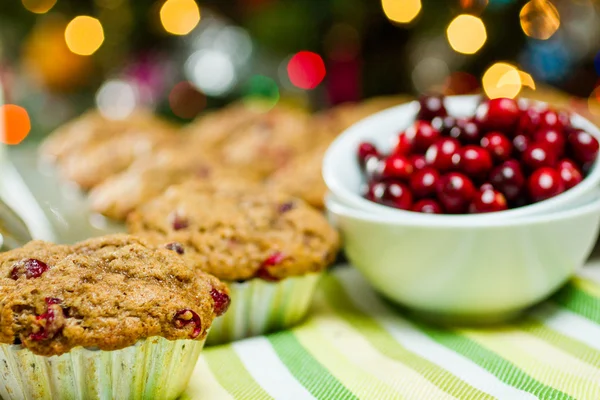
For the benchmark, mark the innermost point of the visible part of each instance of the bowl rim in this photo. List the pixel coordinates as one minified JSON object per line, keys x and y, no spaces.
{"x":334,"y":206}
{"x":357,"y":130}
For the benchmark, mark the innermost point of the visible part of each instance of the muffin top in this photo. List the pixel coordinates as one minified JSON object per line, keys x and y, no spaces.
{"x":238,"y":232}
{"x":105,"y":293}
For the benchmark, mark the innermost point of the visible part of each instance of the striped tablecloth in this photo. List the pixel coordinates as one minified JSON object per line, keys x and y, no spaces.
{"x":356,"y":346}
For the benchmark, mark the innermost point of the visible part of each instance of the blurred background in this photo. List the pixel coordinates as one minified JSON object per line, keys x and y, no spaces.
{"x":182,"y":57}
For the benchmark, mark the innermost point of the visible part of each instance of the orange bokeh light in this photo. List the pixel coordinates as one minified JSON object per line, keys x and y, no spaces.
{"x":16,"y":124}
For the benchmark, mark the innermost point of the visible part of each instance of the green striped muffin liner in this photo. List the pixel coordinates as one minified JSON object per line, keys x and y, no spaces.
{"x":259,"y":307}
{"x":153,"y":368}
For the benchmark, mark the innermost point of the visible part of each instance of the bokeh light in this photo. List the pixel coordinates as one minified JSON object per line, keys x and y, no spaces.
{"x":116,"y":99}
{"x":473,"y":5}
{"x":501,"y":80}
{"x":186,"y":101}
{"x":39,"y":6}
{"x":84,"y":35}
{"x":526,"y":80}
{"x":401,"y":11}
{"x":211,"y":71}
{"x":263,"y":88}
{"x":16,"y":124}
{"x":539,"y":19}
{"x":466,"y":34}
{"x":306,"y":70}
{"x":179,"y":17}
{"x":430,"y":74}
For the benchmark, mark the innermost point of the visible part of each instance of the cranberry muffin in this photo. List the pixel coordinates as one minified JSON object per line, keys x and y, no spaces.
{"x":112,"y":301}
{"x":268,"y":246}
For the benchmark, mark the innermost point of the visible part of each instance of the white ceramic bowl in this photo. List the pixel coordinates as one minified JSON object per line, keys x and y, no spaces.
{"x":475,"y":270}
{"x":344,"y":179}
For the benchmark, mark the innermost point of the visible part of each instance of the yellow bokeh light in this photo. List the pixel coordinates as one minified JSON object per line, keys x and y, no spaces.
{"x":38,"y":6}
{"x":466,"y":34}
{"x":501,"y":80}
{"x":401,"y":11}
{"x":179,"y":17}
{"x":539,"y":19}
{"x":84,"y":35}
{"x":526,"y":80}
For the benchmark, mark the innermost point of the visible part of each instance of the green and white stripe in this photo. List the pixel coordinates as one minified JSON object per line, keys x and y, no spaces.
{"x":354,"y":345}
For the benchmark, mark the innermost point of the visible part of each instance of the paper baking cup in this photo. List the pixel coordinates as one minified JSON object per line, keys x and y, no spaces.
{"x":259,"y":307}
{"x":153,"y":368}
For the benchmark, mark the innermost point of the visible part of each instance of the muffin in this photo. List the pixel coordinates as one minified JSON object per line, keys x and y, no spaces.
{"x":104,"y":316}
{"x":269,"y":247}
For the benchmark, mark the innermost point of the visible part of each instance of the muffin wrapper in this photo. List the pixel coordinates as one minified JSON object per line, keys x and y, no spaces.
{"x":154,"y":368}
{"x":259,"y":307}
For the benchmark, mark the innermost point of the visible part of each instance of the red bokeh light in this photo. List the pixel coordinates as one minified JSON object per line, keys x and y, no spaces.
{"x":306,"y":70}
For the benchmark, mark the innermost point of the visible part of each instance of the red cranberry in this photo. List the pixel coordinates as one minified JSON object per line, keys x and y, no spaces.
{"x":466,"y":131}
{"x":221,"y":301}
{"x":274,"y":259}
{"x":474,"y":161}
{"x":529,"y":122}
{"x":583,"y":145}
{"x":418,"y":161}
{"x":51,"y":322}
{"x":498,"y":114}
{"x":185,"y":317}
{"x":564,"y":117}
{"x":544,"y":183}
{"x":550,"y":119}
{"x":538,"y":155}
{"x":30,"y":268}
{"x":176,"y":247}
{"x":570,"y":175}
{"x":427,"y":206}
{"x":508,"y":178}
{"x":423,"y":183}
{"x":397,"y":195}
{"x":486,"y":186}
{"x":455,"y":191}
{"x":371,"y":189}
{"x":498,"y":145}
{"x":521,"y":143}
{"x":431,"y":107}
{"x":178,"y":222}
{"x":365,"y":151}
{"x":422,"y":135}
{"x":444,"y":124}
{"x":488,"y":201}
{"x":552,"y":138}
{"x":395,"y":166}
{"x":404,"y":145}
{"x":439,"y":155}
{"x":372,"y":166}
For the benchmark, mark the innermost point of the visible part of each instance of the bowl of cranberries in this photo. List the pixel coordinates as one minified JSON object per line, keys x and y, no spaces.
{"x":463,"y":155}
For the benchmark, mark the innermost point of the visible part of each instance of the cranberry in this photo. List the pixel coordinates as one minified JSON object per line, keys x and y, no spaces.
{"x":371,"y":189}
{"x":498,"y":145}
{"x":178,"y":222}
{"x":427,"y":206}
{"x":552,"y":138}
{"x":431,"y":107}
{"x":221,"y":301}
{"x":444,"y":124}
{"x":418,"y":161}
{"x":51,"y":322}
{"x":488,"y":200}
{"x":439,"y":155}
{"x":466,"y":131}
{"x":521,"y":143}
{"x":583,"y":146}
{"x":365,"y":151}
{"x":529,"y":122}
{"x":544,"y":183}
{"x":176,"y":247}
{"x":30,"y":267}
{"x":274,"y":259}
{"x":474,"y":161}
{"x":285,"y":207}
{"x":564,"y":117}
{"x":423,"y":182}
{"x":455,"y":191}
{"x":185,"y":317}
{"x":538,"y":155}
{"x":404,"y":145}
{"x":371,"y":166}
{"x":498,"y":114}
{"x":508,"y":178}
{"x":395,"y":166}
{"x":550,"y":119}
{"x":570,"y":175}
{"x":422,"y":135}
{"x":486,"y":186}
